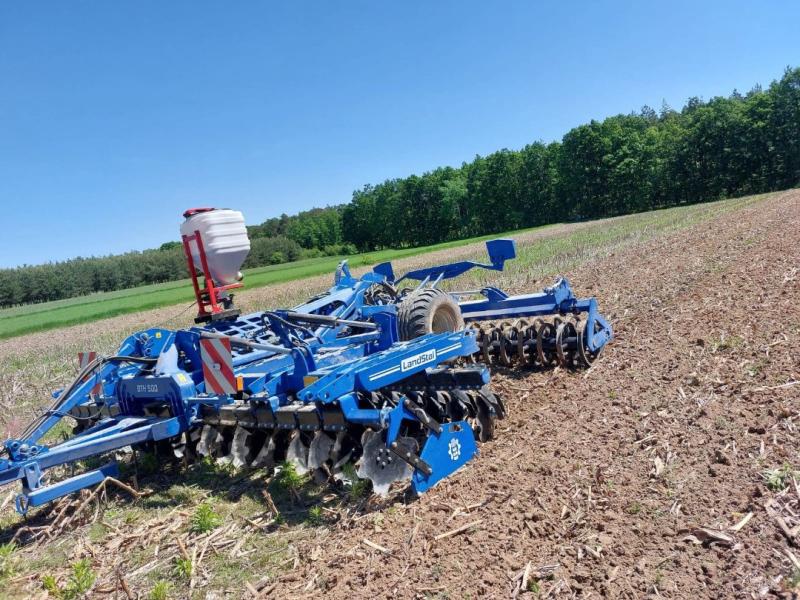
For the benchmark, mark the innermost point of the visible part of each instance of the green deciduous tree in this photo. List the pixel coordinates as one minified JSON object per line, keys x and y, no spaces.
{"x":725,"y":147}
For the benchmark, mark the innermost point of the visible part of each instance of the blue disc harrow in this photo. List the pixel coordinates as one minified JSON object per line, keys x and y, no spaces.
{"x":392,"y":380}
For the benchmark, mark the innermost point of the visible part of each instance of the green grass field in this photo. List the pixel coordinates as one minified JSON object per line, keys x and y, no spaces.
{"x":62,"y":313}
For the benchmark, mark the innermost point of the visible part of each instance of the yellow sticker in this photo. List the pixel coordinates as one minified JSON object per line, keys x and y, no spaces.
{"x":308,"y":380}
{"x":158,"y":335}
{"x":182,"y":378}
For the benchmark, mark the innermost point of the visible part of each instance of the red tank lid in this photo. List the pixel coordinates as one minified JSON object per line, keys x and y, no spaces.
{"x":194,"y":211}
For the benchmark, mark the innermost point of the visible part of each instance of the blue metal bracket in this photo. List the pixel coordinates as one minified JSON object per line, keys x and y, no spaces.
{"x":445,"y":452}
{"x":362,"y":416}
{"x":499,"y":250}
{"x":38,"y":495}
{"x":393,"y":418}
{"x":108,"y":435}
{"x":598,"y":331}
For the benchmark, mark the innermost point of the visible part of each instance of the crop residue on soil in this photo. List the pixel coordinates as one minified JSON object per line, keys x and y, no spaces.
{"x":612,"y":474}
{"x":642,"y":477}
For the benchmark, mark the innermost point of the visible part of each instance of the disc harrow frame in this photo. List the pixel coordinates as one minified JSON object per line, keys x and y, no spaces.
{"x":326,"y":383}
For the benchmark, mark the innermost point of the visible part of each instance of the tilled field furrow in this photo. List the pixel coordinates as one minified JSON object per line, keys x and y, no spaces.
{"x":642,"y":476}
{"x":608,"y":473}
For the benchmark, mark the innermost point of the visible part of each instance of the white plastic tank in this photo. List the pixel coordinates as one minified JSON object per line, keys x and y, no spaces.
{"x":224,"y":238}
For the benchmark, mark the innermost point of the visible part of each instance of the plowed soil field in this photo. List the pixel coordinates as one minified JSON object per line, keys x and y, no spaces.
{"x":615,"y":482}
{"x":666,"y":470}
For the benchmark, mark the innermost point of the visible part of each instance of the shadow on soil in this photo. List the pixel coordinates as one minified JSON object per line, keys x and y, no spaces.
{"x":168,"y":484}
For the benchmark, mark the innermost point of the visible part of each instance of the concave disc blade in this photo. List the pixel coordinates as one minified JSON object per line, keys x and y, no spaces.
{"x":239,"y":447}
{"x":265,"y":456}
{"x":297,"y":453}
{"x":319,"y":451}
{"x":223,"y":453}
{"x":485,"y":422}
{"x":381,"y":466}
{"x":178,"y":446}
{"x":210,"y":441}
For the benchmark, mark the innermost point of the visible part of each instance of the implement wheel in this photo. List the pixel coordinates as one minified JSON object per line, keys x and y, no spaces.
{"x":429,"y":310}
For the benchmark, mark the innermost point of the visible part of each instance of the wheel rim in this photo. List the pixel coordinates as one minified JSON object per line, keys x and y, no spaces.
{"x":444,"y":320}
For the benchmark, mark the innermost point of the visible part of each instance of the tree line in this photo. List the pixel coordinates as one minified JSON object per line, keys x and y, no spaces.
{"x":727,"y":146}
{"x":81,"y":276}
{"x":742,"y":144}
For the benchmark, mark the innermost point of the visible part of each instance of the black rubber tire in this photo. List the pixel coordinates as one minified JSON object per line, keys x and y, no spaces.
{"x":429,"y":310}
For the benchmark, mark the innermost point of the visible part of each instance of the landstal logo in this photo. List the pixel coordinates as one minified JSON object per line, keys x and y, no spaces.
{"x":418,"y":360}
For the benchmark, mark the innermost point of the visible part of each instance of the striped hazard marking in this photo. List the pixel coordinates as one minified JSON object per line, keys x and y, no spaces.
{"x":217,"y":366}
{"x":84,"y":358}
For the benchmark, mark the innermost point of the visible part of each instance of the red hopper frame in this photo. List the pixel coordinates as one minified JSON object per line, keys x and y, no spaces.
{"x":208,"y":301}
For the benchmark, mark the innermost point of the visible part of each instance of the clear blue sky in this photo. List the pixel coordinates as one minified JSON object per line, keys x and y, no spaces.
{"x":116,"y":116}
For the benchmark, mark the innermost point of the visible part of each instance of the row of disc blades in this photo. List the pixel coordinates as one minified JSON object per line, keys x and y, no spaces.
{"x":538,"y":342}
{"x":326,"y":453}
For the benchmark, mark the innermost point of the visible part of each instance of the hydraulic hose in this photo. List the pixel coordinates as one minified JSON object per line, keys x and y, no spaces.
{"x":245,"y":342}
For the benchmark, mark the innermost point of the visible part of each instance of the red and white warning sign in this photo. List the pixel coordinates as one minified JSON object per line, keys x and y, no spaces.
{"x":217,"y":366}
{"x":84,"y":358}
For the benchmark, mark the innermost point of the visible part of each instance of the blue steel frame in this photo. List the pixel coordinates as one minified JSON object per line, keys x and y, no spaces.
{"x":308,"y":374}
{"x":559,"y":299}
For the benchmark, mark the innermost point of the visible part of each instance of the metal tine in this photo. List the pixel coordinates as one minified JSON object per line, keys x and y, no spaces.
{"x":504,"y":334}
{"x":566,"y":337}
{"x":560,"y":350}
{"x":543,"y":340}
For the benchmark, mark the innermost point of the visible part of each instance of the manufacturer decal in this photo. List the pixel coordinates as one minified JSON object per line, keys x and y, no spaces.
{"x":423,"y":358}
{"x":454,"y":449}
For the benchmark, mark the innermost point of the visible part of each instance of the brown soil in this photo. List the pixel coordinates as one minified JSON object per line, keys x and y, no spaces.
{"x":598,"y":482}
{"x":605,"y":473}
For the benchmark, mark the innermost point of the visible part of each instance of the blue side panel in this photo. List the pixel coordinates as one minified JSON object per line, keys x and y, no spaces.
{"x":445,"y":452}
